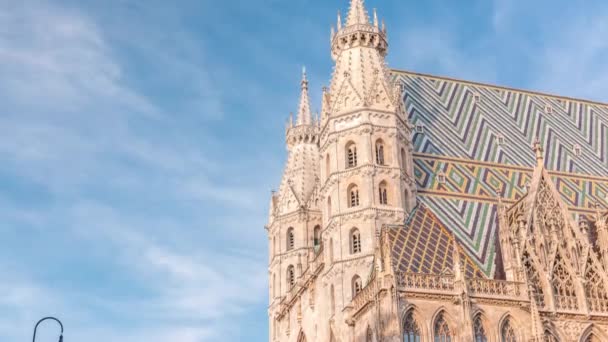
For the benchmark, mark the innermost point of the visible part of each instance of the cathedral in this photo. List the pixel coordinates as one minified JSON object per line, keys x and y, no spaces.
{"x":419,"y":208}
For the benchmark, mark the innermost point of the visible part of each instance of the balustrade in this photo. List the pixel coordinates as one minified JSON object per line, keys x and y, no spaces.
{"x":566,"y":303}
{"x":597,"y":305}
{"x":495,"y":287}
{"x":426,"y":281}
{"x":365,"y":296}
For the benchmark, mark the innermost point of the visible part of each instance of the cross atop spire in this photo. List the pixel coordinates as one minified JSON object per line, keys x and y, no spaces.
{"x":357,"y":13}
{"x":304,"y":113}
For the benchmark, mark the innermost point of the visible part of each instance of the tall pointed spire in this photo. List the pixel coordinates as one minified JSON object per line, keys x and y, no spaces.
{"x":357,"y":14}
{"x":304,"y":113}
{"x":360,"y":78}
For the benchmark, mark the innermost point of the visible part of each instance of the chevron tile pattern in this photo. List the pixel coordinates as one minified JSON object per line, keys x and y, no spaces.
{"x":480,"y":137}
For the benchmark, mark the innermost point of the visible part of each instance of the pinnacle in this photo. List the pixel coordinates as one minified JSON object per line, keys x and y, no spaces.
{"x":357,"y":13}
{"x":304,"y":113}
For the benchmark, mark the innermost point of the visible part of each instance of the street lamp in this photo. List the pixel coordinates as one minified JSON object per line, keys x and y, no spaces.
{"x":44,"y":319}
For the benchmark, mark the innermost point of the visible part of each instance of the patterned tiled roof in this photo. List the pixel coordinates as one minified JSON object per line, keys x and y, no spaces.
{"x":425,"y":245}
{"x":480,"y":137}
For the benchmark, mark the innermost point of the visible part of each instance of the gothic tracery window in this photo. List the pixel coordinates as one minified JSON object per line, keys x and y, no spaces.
{"x":442,"y":330}
{"x":355,"y":241}
{"x":351,"y":155}
{"x":290,"y":239}
{"x":507,"y":334}
{"x":480,"y":332}
{"x":563,"y":286}
{"x":595,"y":290}
{"x":382,"y":193}
{"x":379,"y":152}
{"x":411,"y":332}
{"x":357,"y":285}
{"x":534,"y":279}
{"x":353,"y":193}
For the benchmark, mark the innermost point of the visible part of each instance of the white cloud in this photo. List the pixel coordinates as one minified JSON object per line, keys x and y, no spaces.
{"x":70,"y":124}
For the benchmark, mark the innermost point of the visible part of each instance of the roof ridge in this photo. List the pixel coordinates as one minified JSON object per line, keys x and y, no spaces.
{"x":495,"y":86}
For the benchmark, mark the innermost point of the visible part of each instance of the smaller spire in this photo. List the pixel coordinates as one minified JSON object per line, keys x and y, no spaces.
{"x":304,"y":113}
{"x":375,"y":18}
{"x":339,"y":21}
{"x":538,"y":150}
{"x":357,"y":14}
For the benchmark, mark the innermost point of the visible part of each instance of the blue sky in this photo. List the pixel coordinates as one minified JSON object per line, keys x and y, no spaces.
{"x":139,"y":142}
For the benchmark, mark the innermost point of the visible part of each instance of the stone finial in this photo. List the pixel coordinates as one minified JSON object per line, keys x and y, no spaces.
{"x":375,"y":18}
{"x":538,"y":150}
{"x":339,"y":24}
{"x":357,"y":13}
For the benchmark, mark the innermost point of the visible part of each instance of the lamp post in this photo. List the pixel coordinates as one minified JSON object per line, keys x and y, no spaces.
{"x":48,"y":318}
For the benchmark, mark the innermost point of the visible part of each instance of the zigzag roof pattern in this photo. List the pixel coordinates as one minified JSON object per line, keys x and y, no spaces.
{"x":425,"y":245}
{"x":480,"y":137}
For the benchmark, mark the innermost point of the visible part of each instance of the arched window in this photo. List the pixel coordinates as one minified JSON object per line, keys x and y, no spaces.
{"x":592,"y":338}
{"x":357,"y":285}
{"x":411,"y":332}
{"x":563,"y":287}
{"x":327,"y":166}
{"x":369,"y":335}
{"x":291,"y":277}
{"x":507,"y":334}
{"x":331,"y":250}
{"x":290,"y":239}
{"x":274,"y":246}
{"x":403,"y":161}
{"x":379,"y":152}
{"x":382,"y":193}
{"x":442,"y":329}
{"x":316,"y":240}
{"x":595,"y":291}
{"x":480,"y":332}
{"x":355,"y":241}
{"x":332,"y":300}
{"x":353,"y":196}
{"x":351,"y":155}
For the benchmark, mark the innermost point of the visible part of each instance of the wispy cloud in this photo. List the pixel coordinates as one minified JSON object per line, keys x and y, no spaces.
{"x":77,"y":126}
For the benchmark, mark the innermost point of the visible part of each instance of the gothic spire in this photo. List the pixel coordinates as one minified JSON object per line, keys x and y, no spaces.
{"x":360,"y":79}
{"x":304,"y":113}
{"x":357,"y":13}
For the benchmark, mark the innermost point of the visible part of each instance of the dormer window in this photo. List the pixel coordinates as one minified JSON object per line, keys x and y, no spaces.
{"x":441,"y":177}
{"x":500,"y":139}
{"x":477,"y":98}
{"x":578,"y":151}
{"x":419,"y":128}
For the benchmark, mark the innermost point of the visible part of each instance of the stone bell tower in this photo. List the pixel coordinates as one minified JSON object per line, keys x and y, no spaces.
{"x":294,"y":224}
{"x":366,"y":158}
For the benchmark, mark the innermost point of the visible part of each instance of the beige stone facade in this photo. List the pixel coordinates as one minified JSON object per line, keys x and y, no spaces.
{"x":355,"y":256}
